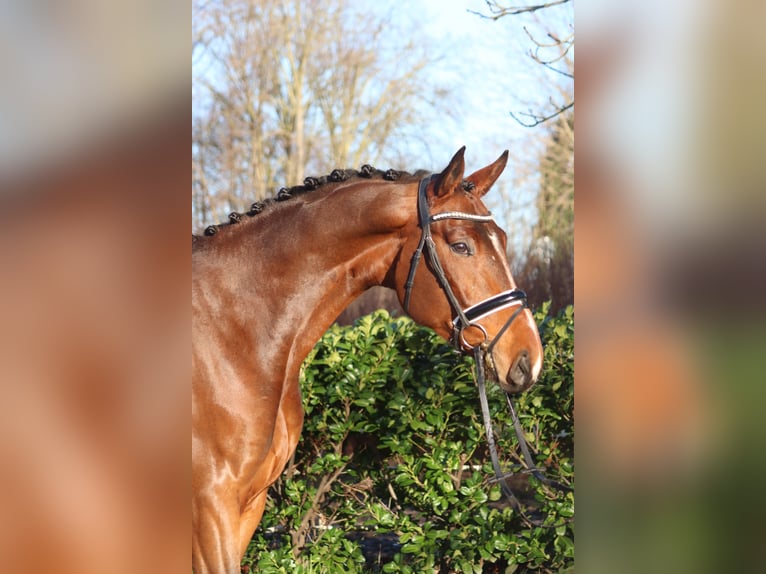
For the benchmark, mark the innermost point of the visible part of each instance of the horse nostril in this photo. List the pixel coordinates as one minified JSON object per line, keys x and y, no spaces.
{"x":521,"y":371}
{"x":524,"y":365}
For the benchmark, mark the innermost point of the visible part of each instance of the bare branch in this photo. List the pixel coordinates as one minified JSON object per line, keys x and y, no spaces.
{"x":564,"y":73}
{"x":563,"y":45}
{"x":538,"y":119}
{"x":497,"y":11}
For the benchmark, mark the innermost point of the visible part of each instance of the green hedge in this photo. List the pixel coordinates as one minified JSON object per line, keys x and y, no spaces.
{"x":392,"y":471}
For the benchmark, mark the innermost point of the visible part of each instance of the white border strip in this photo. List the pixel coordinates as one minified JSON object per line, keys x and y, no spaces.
{"x":461,"y":215}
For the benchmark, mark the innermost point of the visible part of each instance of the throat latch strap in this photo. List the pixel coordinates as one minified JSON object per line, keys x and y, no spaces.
{"x":425,"y":234}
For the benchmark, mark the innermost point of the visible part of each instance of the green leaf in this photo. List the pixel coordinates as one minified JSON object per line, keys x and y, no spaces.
{"x":401,"y":406}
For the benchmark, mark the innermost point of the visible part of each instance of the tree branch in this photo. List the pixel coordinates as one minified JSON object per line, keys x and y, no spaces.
{"x":564,"y":46}
{"x":497,"y":11}
{"x":538,"y":119}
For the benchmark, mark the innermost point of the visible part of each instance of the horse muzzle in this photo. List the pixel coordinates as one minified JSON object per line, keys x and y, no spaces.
{"x":514,"y":374}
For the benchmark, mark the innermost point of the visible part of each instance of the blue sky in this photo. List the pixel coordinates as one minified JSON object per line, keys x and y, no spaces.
{"x":488,"y":65}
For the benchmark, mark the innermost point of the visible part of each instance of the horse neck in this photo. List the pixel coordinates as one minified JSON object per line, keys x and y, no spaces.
{"x":305,"y":261}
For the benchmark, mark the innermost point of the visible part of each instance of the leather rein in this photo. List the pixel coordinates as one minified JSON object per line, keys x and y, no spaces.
{"x":482,"y":352}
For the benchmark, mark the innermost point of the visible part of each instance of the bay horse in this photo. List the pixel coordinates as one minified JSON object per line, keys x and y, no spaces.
{"x":266,"y":286}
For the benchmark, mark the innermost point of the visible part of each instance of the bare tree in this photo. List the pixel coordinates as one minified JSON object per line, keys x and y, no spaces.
{"x":549,"y":264}
{"x":552,"y":50}
{"x":555,"y":200}
{"x":287,"y":86}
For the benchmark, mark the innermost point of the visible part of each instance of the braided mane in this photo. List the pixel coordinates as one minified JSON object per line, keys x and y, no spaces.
{"x":309,"y":184}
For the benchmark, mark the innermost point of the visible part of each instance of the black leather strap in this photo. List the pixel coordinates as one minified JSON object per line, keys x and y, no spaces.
{"x":495,"y":303}
{"x":425,"y":226}
{"x":427,"y":243}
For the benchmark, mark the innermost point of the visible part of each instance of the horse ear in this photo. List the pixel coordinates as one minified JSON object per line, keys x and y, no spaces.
{"x":483,"y":179}
{"x":452,"y":176}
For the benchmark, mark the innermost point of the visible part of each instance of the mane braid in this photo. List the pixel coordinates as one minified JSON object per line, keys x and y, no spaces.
{"x":309,"y":184}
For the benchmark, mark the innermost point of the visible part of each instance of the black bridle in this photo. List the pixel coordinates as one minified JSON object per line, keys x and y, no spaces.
{"x":468,"y":318}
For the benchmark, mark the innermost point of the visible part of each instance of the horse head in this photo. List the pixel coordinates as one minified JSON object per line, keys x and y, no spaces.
{"x":465,"y":290}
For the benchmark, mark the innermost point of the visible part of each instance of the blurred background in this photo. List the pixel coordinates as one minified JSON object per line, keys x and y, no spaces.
{"x":670,"y":272}
{"x":94,"y":178}
{"x":94,"y":345}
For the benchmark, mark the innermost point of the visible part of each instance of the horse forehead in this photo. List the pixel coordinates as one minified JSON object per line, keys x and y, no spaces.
{"x":490,"y":230}
{"x":466,"y":203}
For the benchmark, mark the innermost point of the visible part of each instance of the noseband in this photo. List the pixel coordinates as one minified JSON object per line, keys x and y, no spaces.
{"x":468,"y":318}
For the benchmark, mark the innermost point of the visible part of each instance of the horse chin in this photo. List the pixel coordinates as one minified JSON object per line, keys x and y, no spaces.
{"x":512,"y":388}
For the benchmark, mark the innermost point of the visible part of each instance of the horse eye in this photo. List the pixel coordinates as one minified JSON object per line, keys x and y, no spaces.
{"x":461,"y":248}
